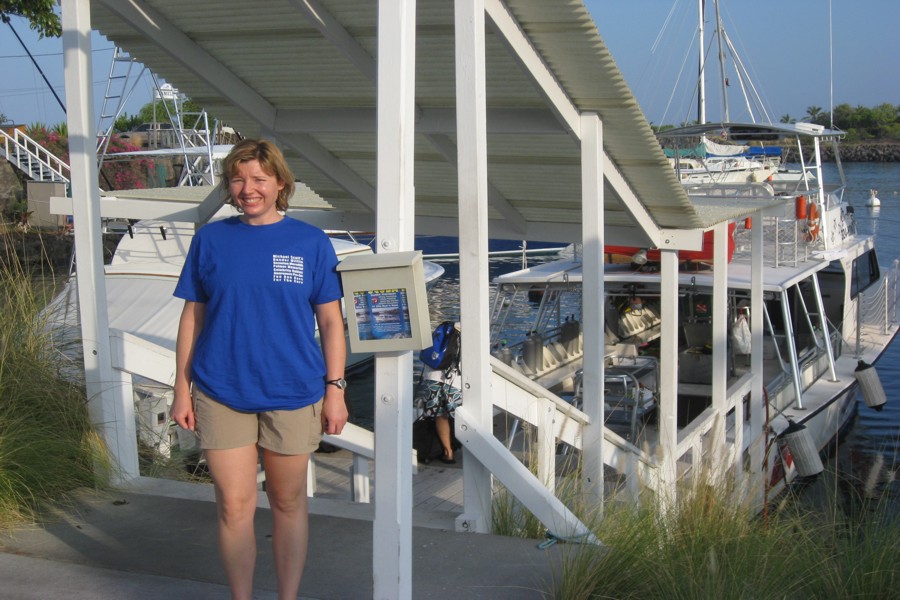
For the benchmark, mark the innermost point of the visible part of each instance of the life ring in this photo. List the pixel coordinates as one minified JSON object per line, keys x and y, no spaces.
{"x":812,"y":223}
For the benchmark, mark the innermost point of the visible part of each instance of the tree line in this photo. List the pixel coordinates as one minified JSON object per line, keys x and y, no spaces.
{"x":860,"y":123}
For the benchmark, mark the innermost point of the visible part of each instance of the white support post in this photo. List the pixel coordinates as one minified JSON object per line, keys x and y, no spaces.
{"x":757,"y":395}
{"x":593,"y":301}
{"x":111,"y":413}
{"x":544,"y":419}
{"x":471,"y":135}
{"x":668,"y":374}
{"x":715,"y":451}
{"x":392,"y":530}
{"x":359,"y":479}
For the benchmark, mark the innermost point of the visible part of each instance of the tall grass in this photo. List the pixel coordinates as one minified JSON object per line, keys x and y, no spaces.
{"x":707,"y":545}
{"x":47,"y":445}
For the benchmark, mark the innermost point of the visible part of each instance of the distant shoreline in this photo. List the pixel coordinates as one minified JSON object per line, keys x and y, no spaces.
{"x":869,"y":151}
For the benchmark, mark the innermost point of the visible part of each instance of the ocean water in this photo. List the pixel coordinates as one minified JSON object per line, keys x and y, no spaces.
{"x":867,"y":458}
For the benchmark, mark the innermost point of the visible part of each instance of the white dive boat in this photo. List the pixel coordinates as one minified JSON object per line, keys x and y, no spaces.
{"x":140,"y":281}
{"x":826,"y":302}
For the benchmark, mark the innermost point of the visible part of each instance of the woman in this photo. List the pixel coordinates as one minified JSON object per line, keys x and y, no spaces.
{"x":250,"y":377}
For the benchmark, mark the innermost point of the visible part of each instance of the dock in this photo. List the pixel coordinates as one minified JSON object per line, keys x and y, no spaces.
{"x":157,"y":539}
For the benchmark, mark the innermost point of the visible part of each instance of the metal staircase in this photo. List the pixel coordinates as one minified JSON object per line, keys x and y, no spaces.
{"x":188,"y":134}
{"x":33,"y":159}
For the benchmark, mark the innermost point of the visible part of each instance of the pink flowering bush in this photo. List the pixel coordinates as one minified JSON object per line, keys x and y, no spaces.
{"x":125,"y":174}
{"x":129,"y":174}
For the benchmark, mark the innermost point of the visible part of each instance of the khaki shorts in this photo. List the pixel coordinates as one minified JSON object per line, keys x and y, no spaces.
{"x":284,"y":431}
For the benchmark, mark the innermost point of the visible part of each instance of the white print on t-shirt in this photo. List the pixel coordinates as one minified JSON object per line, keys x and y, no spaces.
{"x":288,"y":269}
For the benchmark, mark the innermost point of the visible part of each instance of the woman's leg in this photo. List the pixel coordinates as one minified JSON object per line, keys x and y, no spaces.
{"x":442,"y":425}
{"x":286,"y":489}
{"x":234,"y":475}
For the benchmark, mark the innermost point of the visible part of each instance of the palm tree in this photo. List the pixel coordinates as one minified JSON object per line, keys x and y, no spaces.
{"x":788,"y":119}
{"x":815,"y":113}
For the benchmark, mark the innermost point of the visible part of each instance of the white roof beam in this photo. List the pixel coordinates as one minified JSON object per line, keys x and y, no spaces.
{"x":332,"y":167}
{"x":335,"y":33}
{"x":559,"y":102}
{"x":209,"y":70}
{"x":496,"y":199}
{"x":524,"y":121}
{"x":522,"y":50}
{"x":189,"y":55}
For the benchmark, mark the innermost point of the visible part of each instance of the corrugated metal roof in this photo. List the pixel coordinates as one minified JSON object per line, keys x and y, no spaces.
{"x":264,"y":65}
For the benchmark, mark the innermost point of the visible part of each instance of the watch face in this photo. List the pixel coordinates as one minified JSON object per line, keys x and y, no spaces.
{"x":340,"y":383}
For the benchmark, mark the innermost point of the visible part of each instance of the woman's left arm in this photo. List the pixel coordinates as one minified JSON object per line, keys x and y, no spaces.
{"x":334,"y":348}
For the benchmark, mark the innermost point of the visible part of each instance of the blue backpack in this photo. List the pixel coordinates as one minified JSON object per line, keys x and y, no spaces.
{"x":444,"y":351}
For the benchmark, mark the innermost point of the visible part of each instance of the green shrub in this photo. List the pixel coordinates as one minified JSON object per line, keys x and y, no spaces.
{"x":47,"y":445}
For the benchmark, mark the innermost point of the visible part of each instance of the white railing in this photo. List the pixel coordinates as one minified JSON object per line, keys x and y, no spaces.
{"x":39,"y":163}
{"x":134,"y":356}
{"x":877,"y":308}
{"x":556,"y":420}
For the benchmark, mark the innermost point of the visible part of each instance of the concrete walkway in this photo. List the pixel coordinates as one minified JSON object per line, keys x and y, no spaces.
{"x":158,"y":540}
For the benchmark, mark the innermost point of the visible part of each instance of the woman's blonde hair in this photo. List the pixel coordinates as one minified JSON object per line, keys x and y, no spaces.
{"x":271,"y":161}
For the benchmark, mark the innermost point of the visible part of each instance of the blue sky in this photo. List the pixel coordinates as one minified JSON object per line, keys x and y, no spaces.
{"x":783,"y":43}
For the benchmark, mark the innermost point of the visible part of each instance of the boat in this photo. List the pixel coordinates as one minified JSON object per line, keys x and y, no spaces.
{"x":717,"y":156}
{"x":445,"y":248}
{"x":828,"y":311}
{"x":140,"y":281}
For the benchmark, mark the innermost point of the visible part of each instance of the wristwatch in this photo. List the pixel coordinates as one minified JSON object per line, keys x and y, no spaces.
{"x":338,"y":383}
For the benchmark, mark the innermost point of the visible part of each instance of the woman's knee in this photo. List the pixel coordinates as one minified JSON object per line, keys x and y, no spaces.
{"x":287,"y":498}
{"x":235,"y":507}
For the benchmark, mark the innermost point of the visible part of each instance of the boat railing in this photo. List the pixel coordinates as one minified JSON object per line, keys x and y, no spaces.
{"x":133,"y":356}
{"x":876,"y":308}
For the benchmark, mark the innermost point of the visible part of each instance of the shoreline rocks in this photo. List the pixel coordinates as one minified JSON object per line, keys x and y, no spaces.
{"x":856,"y":152}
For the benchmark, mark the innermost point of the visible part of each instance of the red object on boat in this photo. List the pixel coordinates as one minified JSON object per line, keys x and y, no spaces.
{"x":801,"y":208}
{"x":704,"y":254}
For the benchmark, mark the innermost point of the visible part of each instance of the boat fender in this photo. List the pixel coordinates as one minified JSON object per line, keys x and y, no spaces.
{"x":804,"y":452}
{"x":800,"y":208}
{"x":870,"y":385}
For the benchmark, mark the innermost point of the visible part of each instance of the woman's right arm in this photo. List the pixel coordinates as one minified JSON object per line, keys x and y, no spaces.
{"x":189,"y":327}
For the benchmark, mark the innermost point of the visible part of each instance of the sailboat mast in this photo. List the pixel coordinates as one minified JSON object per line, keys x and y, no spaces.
{"x":726,"y":115}
{"x":701,"y":89}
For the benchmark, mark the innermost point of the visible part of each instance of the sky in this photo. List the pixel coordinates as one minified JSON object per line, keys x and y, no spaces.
{"x":782,"y":43}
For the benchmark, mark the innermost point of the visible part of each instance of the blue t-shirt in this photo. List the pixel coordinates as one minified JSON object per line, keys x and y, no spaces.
{"x":258,"y":349}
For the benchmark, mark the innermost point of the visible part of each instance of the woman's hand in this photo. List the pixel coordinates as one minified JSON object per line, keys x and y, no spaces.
{"x":189,"y":326}
{"x":183,"y":411}
{"x":334,"y":411}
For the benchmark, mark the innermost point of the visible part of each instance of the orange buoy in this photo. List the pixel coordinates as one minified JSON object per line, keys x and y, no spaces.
{"x":812,"y":222}
{"x":801,"y":208}
{"x":748,"y":223}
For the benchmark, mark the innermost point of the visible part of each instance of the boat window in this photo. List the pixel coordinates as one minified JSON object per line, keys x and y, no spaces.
{"x":865,"y":273}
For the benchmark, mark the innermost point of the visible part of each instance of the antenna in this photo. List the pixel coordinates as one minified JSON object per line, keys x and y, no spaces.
{"x":830,"y":70}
